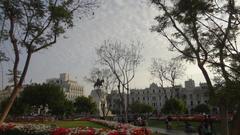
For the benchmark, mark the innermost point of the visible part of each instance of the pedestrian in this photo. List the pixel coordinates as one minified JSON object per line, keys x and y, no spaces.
{"x":167,"y":123}
{"x":200,"y":129}
{"x":207,"y":129}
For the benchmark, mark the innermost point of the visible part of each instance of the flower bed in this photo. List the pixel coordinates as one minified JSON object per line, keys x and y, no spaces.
{"x":41,"y":129}
{"x":123,"y":129}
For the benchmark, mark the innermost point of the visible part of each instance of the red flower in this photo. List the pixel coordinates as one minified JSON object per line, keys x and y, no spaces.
{"x":85,"y":131}
{"x":113,"y":132}
{"x":10,"y":126}
{"x":61,"y":131}
{"x":140,"y":131}
{"x":6,"y":127}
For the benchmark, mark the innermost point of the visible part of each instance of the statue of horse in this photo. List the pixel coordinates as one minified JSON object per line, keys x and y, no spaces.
{"x":99,"y":83}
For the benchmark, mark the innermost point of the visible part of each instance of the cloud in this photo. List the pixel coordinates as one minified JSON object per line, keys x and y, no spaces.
{"x":125,"y":20}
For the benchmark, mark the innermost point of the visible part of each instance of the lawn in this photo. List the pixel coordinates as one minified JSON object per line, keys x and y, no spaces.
{"x":177,"y":125}
{"x":72,"y":124}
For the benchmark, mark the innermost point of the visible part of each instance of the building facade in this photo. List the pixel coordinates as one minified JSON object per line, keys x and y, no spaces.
{"x":71,"y":88}
{"x":156,"y":96}
{"x":114,"y":101}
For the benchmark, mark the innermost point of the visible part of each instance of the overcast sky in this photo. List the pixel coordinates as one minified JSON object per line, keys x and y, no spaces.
{"x":125,"y":20}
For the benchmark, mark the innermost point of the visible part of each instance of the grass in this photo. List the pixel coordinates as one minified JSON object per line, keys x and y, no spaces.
{"x":177,"y":125}
{"x":73,"y":124}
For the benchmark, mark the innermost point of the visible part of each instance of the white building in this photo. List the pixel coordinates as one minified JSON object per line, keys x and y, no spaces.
{"x":114,"y":101}
{"x":71,"y":88}
{"x":156,"y":96}
{"x":196,"y":95}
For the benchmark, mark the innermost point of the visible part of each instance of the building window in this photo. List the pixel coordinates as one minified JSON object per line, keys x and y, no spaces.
{"x":143,"y":98}
{"x":191,"y":103}
{"x":153,"y":91}
{"x":153,"y":98}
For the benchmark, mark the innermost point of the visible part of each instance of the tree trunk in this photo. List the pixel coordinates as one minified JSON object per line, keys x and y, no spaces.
{"x":103,"y":110}
{"x":224,"y":120}
{"x":17,"y":87}
{"x":9,"y":104}
{"x":235,"y":130}
{"x":207,"y":78}
{"x":124,"y":105}
{"x":127,"y":106}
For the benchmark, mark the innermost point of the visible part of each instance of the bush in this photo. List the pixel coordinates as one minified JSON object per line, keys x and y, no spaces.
{"x":174,"y":106}
{"x":201,"y":108}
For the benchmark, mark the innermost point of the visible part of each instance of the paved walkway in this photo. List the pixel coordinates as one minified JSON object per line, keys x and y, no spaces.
{"x":170,"y":132}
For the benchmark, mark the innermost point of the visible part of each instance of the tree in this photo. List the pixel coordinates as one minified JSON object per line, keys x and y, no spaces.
{"x":122,"y":59}
{"x":85,"y":105}
{"x":205,"y":32}
{"x":140,"y":108}
{"x":33,"y":26}
{"x":174,"y":106}
{"x":167,"y":72}
{"x":68,"y":107}
{"x":46,"y":95}
{"x":202,"y":108}
{"x":19,"y":108}
{"x":108,"y":85}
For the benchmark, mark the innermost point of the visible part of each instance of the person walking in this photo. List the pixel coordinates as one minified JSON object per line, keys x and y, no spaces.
{"x":200,"y":129}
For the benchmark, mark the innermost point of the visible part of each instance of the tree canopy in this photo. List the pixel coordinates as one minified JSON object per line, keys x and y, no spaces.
{"x":122,"y":59}
{"x":45,"y":95}
{"x":19,"y":108}
{"x":174,"y":106}
{"x":140,"y":108}
{"x":206,"y":32}
{"x":85,"y":105}
{"x":201,"y":108}
{"x":32,"y":25}
{"x":41,"y":95}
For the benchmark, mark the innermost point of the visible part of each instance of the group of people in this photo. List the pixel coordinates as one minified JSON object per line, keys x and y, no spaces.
{"x":140,"y":122}
{"x":206,"y":127}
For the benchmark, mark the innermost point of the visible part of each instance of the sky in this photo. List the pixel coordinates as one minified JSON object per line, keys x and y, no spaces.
{"x":123,"y":20}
